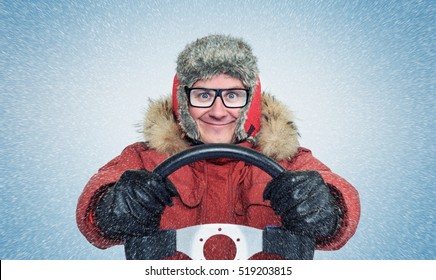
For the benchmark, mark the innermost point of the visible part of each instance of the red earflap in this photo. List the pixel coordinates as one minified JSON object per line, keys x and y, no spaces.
{"x":252,"y":124}
{"x":176,"y":85}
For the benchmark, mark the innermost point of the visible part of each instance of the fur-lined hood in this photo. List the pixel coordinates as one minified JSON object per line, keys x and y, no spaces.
{"x":278,"y":136}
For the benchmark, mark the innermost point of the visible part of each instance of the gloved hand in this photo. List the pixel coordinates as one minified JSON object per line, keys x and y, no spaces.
{"x":304,"y":202}
{"x":134,"y":205}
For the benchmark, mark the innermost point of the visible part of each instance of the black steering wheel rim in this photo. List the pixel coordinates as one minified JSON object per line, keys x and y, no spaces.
{"x":213,"y":151}
{"x":275,"y":240}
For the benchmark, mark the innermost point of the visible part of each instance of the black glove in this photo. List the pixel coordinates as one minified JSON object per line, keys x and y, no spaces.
{"x":304,"y":202}
{"x":134,"y":205}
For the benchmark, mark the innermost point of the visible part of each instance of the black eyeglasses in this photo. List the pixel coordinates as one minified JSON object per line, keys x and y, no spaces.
{"x":205,"y":97}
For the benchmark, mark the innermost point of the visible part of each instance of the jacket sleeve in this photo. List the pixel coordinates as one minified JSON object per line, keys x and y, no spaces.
{"x":345,"y":194}
{"x":96,"y":187}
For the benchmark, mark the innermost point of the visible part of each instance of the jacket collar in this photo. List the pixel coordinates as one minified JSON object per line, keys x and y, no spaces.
{"x":277,"y":138}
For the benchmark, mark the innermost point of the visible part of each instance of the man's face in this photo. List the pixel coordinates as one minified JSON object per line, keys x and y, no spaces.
{"x":216,"y":124}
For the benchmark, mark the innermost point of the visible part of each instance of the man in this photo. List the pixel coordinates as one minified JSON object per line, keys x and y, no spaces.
{"x":217,"y":99}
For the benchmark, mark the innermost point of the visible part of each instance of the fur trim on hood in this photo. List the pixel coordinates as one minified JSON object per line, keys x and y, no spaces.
{"x":278,"y":136}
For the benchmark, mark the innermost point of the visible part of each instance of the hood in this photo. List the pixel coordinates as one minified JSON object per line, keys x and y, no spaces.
{"x":207,"y":57}
{"x":277,"y":138}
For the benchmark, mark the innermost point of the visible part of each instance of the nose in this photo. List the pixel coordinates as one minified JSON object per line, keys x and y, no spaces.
{"x":218,"y":110}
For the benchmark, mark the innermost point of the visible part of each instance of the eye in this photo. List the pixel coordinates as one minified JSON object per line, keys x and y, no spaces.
{"x":204,"y":95}
{"x":201,"y":94}
{"x":232,"y":95}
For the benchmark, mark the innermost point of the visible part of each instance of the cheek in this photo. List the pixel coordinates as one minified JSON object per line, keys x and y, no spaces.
{"x":235,"y":113}
{"x":196,"y":113}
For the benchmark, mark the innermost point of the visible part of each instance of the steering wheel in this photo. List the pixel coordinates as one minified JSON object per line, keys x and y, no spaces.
{"x":191,"y":240}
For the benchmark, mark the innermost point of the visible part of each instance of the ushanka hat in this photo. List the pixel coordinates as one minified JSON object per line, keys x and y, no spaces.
{"x":207,"y":57}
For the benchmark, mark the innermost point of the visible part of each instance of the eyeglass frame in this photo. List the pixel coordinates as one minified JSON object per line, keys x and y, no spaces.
{"x":218,"y":92}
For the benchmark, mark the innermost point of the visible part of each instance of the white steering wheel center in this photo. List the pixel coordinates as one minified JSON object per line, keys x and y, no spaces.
{"x":191,"y":240}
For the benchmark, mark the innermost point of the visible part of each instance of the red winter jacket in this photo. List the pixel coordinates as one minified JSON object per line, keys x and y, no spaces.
{"x":217,"y":191}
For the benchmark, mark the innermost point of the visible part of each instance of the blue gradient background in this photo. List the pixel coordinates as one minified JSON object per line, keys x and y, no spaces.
{"x":75,"y":78}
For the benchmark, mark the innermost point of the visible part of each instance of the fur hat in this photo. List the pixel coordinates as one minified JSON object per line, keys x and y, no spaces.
{"x":207,"y":57}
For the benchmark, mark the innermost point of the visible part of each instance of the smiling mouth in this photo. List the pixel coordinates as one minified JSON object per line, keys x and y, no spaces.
{"x":217,"y":124}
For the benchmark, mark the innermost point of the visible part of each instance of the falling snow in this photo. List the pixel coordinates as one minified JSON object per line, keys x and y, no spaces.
{"x":76,"y":77}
